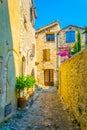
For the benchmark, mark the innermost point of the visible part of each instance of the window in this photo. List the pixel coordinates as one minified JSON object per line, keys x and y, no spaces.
{"x":46,"y":54}
{"x":50,"y":37}
{"x":70,"y":36}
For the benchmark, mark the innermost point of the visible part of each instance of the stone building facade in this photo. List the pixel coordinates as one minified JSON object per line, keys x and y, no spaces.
{"x":27,"y":37}
{"x":17,"y":45}
{"x":68,"y":36}
{"x":46,"y":58}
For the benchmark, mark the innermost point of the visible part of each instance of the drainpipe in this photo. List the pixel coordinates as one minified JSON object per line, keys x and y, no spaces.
{"x":57,"y":47}
{"x":57,"y":60}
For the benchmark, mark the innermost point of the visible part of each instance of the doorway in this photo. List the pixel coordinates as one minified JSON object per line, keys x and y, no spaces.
{"x":49,"y":77}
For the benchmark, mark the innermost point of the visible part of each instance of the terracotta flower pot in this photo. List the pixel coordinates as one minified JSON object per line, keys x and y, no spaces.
{"x":22,"y":102}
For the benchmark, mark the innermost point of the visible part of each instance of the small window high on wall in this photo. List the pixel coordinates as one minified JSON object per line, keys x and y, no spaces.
{"x":70,"y":36}
{"x":50,"y":37}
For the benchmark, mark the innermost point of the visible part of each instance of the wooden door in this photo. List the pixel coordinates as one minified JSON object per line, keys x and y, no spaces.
{"x":49,"y":77}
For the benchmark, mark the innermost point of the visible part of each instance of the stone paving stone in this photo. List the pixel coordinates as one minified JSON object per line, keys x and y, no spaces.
{"x":46,"y":113}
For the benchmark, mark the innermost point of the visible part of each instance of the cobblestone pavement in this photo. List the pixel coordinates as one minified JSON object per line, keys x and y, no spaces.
{"x":46,"y":113}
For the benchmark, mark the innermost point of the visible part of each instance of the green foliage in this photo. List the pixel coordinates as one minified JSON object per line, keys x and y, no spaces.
{"x":20,"y":82}
{"x":77,"y":46}
{"x":69,"y":51}
{"x":79,"y":41}
{"x":24,"y":81}
{"x":30,"y":81}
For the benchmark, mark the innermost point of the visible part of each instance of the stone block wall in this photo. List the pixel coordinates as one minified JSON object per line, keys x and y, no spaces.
{"x":27,"y":37}
{"x":73,"y":86}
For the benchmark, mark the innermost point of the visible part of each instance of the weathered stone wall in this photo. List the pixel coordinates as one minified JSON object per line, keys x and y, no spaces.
{"x":27,"y":37}
{"x":9,"y":48}
{"x":17,"y":35}
{"x":73,"y":86}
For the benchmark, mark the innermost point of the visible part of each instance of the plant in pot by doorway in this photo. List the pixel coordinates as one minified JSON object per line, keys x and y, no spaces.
{"x":23,"y":83}
{"x":20,"y":91}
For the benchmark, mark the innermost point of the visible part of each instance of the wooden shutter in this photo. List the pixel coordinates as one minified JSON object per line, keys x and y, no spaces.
{"x":46,"y":54}
{"x":70,"y":36}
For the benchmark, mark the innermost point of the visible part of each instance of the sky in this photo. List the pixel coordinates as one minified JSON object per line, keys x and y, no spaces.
{"x":66,"y":12}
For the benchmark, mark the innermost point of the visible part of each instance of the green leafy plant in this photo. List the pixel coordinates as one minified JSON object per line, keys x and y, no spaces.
{"x":30,"y":81}
{"x":77,"y":46}
{"x":79,"y":41}
{"x":20,"y":82}
{"x":20,"y":85}
{"x":23,"y":82}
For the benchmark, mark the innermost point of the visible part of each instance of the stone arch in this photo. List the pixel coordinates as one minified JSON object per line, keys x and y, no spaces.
{"x":14,"y":57}
{"x":10,"y":53}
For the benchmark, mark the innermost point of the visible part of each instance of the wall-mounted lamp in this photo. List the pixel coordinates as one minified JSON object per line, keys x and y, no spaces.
{"x":31,"y":56}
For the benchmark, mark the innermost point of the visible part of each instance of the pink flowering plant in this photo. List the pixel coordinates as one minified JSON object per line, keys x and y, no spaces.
{"x":64,"y":52}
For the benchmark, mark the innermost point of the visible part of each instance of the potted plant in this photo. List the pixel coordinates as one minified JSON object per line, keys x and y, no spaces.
{"x":23,"y":83}
{"x":20,"y":90}
{"x":30,"y":81}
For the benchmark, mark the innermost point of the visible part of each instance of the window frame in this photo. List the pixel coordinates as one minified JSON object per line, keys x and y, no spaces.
{"x":51,"y":37}
{"x":69,"y":36}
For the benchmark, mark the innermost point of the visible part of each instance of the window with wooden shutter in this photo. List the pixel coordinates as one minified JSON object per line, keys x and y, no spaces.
{"x":50,"y":37}
{"x":70,"y":36}
{"x":46,"y":54}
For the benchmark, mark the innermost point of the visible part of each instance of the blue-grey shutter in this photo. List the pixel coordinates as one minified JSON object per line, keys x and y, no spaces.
{"x":70,"y":36}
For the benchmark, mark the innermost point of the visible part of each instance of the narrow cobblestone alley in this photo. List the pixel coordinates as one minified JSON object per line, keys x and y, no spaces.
{"x":46,"y":113}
